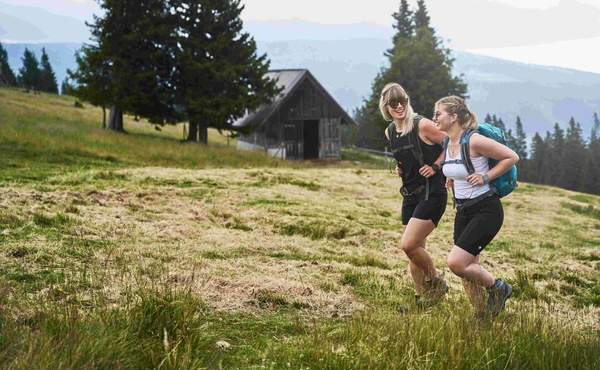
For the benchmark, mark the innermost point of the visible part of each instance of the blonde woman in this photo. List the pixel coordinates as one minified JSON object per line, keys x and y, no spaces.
{"x":416,"y":146}
{"x":479,"y":214}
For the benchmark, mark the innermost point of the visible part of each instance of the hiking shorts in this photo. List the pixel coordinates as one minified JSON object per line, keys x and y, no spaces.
{"x":476,"y":225}
{"x":431,"y":209}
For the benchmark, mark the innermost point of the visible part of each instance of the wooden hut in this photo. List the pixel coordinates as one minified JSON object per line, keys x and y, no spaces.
{"x":302,"y":122}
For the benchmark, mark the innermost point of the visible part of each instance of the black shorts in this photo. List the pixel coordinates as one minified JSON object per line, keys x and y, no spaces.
{"x":431,"y":209}
{"x":477,"y":225}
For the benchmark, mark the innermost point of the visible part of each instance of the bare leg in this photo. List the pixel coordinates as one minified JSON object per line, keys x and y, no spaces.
{"x":467,"y":266}
{"x":418,"y":275}
{"x":413,"y":244}
{"x":476,"y":294}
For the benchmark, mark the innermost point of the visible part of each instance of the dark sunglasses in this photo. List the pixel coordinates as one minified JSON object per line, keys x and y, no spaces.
{"x":396,"y":103}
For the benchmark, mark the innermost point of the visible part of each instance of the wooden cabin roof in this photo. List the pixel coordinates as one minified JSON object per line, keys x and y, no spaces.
{"x":288,"y":80}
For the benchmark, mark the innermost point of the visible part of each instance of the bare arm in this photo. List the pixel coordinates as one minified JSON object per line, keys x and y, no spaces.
{"x":432,"y":134}
{"x":483,"y":146}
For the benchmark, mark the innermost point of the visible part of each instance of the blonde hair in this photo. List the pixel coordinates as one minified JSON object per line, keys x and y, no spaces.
{"x":393,"y":91}
{"x":456,"y":105}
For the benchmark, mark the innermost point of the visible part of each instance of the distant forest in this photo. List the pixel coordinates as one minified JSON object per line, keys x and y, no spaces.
{"x":563,"y":158}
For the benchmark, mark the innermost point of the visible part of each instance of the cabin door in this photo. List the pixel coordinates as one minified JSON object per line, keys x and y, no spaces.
{"x":331,"y":138}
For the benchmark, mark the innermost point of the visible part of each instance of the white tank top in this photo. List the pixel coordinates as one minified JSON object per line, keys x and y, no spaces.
{"x":458,"y":173}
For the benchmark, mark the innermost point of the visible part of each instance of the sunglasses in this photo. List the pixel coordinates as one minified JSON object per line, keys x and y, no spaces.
{"x":396,"y":103}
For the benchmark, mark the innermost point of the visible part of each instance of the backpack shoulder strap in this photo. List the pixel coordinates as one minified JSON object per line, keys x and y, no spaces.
{"x":390,"y":131}
{"x":445,"y":148}
{"x":414,"y":136}
{"x":465,"y":151}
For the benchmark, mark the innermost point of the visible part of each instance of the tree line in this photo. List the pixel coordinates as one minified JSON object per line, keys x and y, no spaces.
{"x":170,"y":61}
{"x":34,"y":75}
{"x":561,"y":157}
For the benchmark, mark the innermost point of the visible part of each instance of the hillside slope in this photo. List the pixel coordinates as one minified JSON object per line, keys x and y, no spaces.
{"x":141,"y":256}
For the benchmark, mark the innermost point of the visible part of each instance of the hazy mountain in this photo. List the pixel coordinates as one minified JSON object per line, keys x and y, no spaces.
{"x":29,"y":24}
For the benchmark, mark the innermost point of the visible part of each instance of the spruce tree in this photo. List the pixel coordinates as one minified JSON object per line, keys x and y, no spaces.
{"x":422,"y":19}
{"x":404,"y":25}
{"x":511,"y":141}
{"x":592,"y":172}
{"x":29,"y":72}
{"x":520,"y":140}
{"x":555,"y":157}
{"x":498,"y":123}
{"x":420,"y":63}
{"x":129,"y":65}
{"x":574,"y":158}
{"x":67,"y":87}
{"x":46,"y":78}
{"x":539,"y":152}
{"x":488,"y":119}
{"x":7,"y":76}
{"x":218,"y":72}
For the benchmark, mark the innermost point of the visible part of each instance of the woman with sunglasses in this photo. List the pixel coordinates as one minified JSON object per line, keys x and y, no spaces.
{"x":416,"y":145}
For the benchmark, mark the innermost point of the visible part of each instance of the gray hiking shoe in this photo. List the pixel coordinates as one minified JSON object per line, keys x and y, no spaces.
{"x":435,"y":289}
{"x":497,"y":296}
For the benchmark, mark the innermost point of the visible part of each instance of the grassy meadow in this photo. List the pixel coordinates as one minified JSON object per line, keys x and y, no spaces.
{"x":138,"y":251}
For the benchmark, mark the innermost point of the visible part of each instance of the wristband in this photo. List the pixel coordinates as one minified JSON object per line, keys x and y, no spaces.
{"x":435,"y":167}
{"x":485,"y":178}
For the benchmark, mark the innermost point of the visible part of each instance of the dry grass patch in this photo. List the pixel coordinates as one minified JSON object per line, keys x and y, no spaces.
{"x":241,"y":246}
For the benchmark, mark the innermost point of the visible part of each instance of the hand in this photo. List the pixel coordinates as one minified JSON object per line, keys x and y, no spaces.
{"x":475,"y":179}
{"x":426,"y":171}
{"x":398,"y":169}
{"x":449,"y":183}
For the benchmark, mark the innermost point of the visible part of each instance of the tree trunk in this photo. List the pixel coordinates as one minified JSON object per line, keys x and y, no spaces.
{"x":203,"y":134}
{"x":115,"y":121}
{"x":104,"y":117}
{"x":193,"y":132}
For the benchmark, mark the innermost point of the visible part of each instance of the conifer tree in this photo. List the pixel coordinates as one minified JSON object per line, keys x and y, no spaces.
{"x":592,"y":168}
{"x":488,"y":119}
{"x":520,"y":140}
{"x":47,"y":78}
{"x":420,"y":63}
{"x":128,"y":66}
{"x":67,"y":87}
{"x":7,"y":76}
{"x":29,"y":72}
{"x":539,"y":151}
{"x":404,"y":25}
{"x":574,"y":157}
{"x":511,"y":141}
{"x":422,"y":19}
{"x":218,"y":71}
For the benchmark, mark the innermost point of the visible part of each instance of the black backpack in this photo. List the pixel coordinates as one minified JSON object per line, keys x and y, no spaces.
{"x":414,"y":145}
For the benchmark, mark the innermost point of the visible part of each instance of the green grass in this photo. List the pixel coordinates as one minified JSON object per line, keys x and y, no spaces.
{"x":589,"y":210}
{"x":139,"y":251}
{"x":174,"y":330}
{"x":43,"y":135}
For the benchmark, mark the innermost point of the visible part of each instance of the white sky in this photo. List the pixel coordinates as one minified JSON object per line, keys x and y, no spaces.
{"x":553,"y":32}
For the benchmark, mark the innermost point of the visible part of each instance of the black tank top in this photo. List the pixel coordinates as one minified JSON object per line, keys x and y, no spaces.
{"x":405,"y":151}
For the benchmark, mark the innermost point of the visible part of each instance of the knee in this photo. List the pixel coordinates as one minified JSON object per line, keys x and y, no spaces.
{"x":409,"y":246}
{"x":456,"y":265}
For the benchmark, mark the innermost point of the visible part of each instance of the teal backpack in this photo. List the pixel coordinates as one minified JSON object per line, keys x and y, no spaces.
{"x":502,"y":185}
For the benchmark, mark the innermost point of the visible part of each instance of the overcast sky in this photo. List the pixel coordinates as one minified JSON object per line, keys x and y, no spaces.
{"x":564,"y":33}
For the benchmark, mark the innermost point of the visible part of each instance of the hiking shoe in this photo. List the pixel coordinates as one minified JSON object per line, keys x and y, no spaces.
{"x":435,"y":289}
{"x":497,"y":296}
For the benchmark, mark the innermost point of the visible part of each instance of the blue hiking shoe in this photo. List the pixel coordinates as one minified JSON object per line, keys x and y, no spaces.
{"x":497,"y":296}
